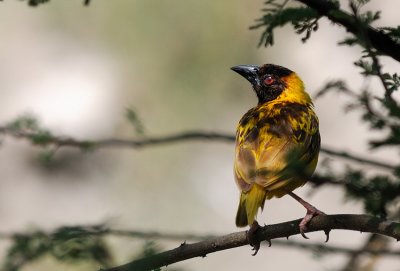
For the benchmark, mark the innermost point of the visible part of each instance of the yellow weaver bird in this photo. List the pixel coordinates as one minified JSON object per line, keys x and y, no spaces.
{"x":277,"y":143}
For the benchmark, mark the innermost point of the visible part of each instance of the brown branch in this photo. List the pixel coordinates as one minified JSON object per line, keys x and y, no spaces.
{"x":320,"y":248}
{"x":155,"y":141}
{"x":379,"y":40}
{"x":362,"y":223}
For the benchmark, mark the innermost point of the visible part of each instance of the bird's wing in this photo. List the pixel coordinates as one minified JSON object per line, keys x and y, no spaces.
{"x":271,"y":151}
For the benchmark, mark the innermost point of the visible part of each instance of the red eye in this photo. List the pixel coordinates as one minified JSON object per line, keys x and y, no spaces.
{"x":269,"y":80}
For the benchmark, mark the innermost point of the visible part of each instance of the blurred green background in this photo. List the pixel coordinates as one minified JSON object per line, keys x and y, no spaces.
{"x":77,"y":69}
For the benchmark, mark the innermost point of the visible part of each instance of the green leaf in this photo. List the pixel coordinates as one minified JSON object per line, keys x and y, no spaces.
{"x":134,"y":119}
{"x":304,"y":19}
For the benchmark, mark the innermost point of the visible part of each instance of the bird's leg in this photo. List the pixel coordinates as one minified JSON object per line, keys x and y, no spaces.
{"x":251,"y":233}
{"x":311,"y":212}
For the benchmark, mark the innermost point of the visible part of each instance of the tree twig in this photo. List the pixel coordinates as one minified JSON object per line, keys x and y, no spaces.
{"x":362,"y":223}
{"x":161,"y":140}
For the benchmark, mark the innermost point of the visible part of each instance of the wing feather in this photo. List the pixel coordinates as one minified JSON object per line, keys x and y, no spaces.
{"x":273,"y":143}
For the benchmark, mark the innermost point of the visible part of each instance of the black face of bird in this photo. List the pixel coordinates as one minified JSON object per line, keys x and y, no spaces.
{"x":266,"y":80}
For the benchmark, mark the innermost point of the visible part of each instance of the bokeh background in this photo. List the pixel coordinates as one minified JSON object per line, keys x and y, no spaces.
{"x":77,"y":69}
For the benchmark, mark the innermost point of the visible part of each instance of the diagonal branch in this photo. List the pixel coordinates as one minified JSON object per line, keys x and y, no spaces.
{"x":363,"y":223}
{"x":379,"y":40}
{"x":317,"y":247}
{"x":161,"y":140}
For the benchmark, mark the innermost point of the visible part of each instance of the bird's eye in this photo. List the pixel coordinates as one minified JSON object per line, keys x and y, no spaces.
{"x":269,"y":80}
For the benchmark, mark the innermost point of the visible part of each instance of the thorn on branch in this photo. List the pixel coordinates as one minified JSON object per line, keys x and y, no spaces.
{"x":327,"y":232}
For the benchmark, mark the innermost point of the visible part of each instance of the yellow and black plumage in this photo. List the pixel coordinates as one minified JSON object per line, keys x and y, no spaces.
{"x":277,"y":141}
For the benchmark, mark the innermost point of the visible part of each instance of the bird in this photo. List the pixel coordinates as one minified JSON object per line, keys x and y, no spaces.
{"x":277,"y":144}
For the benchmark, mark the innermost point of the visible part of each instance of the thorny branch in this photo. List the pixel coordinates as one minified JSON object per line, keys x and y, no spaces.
{"x":362,"y":223}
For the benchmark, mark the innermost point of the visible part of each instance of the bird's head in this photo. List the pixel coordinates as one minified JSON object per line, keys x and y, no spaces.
{"x":272,"y":82}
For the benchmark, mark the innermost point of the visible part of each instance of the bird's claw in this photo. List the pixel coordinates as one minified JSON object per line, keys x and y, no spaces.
{"x":304,"y":222}
{"x":304,"y":235}
{"x":251,"y":237}
{"x":256,"y":248}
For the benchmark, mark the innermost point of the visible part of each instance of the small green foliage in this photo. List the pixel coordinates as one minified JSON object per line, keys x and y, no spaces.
{"x":29,"y":126}
{"x":77,"y":243}
{"x":367,"y":17}
{"x":308,"y":26}
{"x":366,"y":66}
{"x":66,"y":244}
{"x":46,"y":157}
{"x":134,"y":119}
{"x":338,"y":86}
{"x":26,"y":248}
{"x":25,"y":122}
{"x":392,"y":81}
{"x":42,"y":137}
{"x":304,"y":20}
{"x":376,"y":192}
{"x":393,"y":32}
{"x":370,"y":17}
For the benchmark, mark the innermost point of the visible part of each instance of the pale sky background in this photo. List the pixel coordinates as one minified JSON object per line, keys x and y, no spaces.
{"x":78,"y":68}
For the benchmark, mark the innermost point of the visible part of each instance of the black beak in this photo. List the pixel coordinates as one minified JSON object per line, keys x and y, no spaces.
{"x":250,"y":72}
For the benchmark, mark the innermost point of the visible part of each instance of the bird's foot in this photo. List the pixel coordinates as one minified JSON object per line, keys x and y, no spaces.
{"x":251,"y":234}
{"x":311,"y":212}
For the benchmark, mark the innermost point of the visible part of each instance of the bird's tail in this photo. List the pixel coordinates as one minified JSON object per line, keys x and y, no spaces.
{"x":249,"y":204}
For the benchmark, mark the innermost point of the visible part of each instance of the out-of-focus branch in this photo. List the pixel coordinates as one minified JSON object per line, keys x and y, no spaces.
{"x":318,"y":180}
{"x":357,"y":158}
{"x":379,"y":40}
{"x":374,"y":242}
{"x":363,"y":223}
{"x":169,"y":139}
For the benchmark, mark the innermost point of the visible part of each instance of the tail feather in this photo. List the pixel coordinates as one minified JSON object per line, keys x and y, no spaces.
{"x":249,"y":204}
